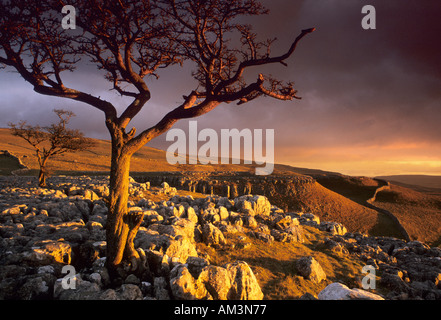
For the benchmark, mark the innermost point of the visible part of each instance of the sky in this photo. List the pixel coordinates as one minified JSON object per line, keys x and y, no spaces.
{"x":371,"y":99}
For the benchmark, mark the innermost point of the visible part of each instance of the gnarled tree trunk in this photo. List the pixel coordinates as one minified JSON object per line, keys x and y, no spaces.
{"x":121,"y":227}
{"x":42,"y":174}
{"x":42,"y":177}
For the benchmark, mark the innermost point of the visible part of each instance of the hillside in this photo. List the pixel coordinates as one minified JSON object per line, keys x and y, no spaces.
{"x":418,"y":212}
{"x":329,"y":195}
{"x":97,"y":160}
{"x":93,"y":161}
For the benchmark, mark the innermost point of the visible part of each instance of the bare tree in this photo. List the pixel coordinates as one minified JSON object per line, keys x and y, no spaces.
{"x":51,"y":140}
{"x":131,"y":41}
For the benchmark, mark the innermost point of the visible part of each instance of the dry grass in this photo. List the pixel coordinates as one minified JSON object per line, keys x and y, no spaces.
{"x":274,"y":264}
{"x":97,"y":159}
{"x":7,"y":165}
{"x":422,"y":181}
{"x":358,"y":189}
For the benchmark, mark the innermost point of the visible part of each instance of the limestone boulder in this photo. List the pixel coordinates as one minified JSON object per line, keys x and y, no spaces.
{"x":256,"y":204}
{"x":48,"y":252}
{"x":295,"y":233}
{"x":212,"y":236}
{"x":217,"y":281}
{"x":180,"y":227}
{"x":244,"y":285}
{"x":334,"y":228}
{"x":173,"y":246}
{"x":185,"y":287}
{"x":234,"y":281}
{"x":310,"y":269}
{"x":338,"y":291}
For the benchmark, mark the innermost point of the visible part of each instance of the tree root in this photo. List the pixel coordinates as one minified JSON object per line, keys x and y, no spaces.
{"x":136,"y":258}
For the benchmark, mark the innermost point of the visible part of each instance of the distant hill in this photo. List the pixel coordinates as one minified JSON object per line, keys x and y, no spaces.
{"x":424,"y":181}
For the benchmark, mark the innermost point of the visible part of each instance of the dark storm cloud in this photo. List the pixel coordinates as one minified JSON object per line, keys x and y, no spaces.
{"x":390,"y":75}
{"x":358,"y":86}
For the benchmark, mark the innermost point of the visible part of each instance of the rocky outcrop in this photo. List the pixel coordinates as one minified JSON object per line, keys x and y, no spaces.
{"x":276,"y":188}
{"x":408,"y":270}
{"x":212,"y":236}
{"x":233,"y":281}
{"x":42,"y":230}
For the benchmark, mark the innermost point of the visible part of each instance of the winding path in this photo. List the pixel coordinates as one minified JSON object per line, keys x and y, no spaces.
{"x":385,"y":185}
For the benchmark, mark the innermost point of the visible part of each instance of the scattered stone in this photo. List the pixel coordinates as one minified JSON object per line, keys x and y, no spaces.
{"x":212,"y":236}
{"x":184,"y":286}
{"x":50,"y":252}
{"x":129,"y":292}
{"x":244,"y":285}
{"x":217,"y":281}
{"x":308,"y":296}
{"x":334,"y":228}
{"x":309,"y":268}
{"x":43,"y":229}
{"x":160,"y":288}
{"x":338,"y":291}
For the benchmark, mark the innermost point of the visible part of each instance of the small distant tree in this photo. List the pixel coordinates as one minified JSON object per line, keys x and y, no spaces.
{"x":51,"y":140}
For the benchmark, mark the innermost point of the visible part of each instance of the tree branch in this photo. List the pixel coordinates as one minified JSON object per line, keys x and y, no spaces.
{"x":262,"y":61}
{"x":37,"y":80}
{"x":186,"y":110}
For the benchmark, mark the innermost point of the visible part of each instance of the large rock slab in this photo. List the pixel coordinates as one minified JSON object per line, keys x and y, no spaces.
{"x":212,"y":236}
{"x":49,"y":252}
{"x":234,"y":281}
{"x":253,"y":204}
{"x":338,"y":291}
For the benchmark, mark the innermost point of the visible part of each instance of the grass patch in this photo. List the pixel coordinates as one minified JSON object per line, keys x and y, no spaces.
{"x":275,"y":268}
